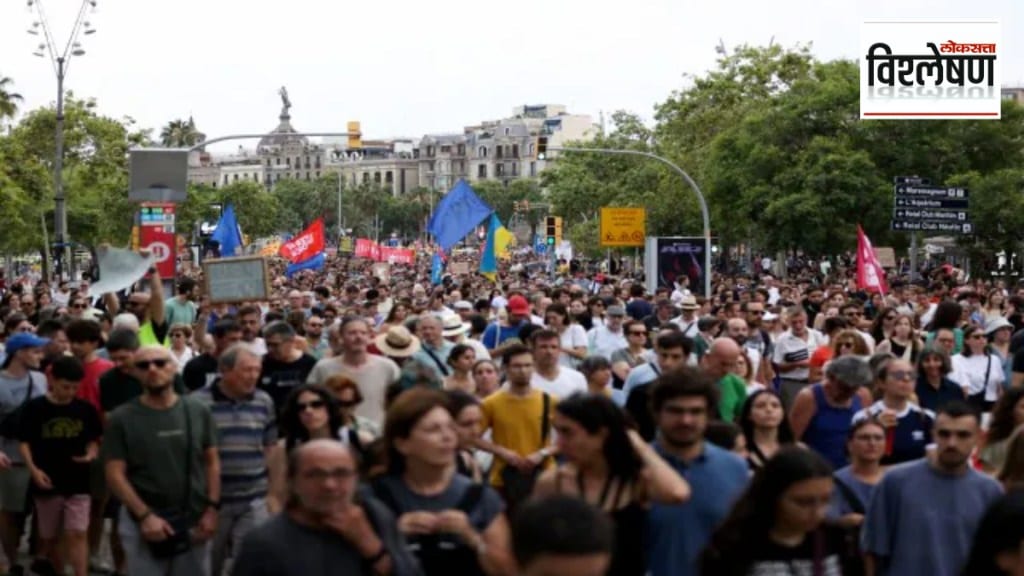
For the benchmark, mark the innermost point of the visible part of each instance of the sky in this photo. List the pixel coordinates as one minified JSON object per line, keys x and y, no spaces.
{"x":405,"y":68}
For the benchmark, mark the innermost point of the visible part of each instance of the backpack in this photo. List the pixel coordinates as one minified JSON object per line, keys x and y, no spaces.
{"x":438,"y":554}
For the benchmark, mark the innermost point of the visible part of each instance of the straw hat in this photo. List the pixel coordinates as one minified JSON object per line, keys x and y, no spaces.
{"x":453,"y":325}
{"x":397,"y":342}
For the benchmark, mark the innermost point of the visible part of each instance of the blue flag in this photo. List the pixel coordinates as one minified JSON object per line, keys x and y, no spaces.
{"x":436,"y":269}
{"x":314,"y":263}
{"x":227,"y":233}
{"x":456,"y":215}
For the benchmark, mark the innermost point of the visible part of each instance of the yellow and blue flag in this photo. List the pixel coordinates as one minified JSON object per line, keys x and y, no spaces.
{"x":499,"y":240}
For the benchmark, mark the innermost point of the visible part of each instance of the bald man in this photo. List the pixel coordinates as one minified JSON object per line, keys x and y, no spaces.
{"x":720,"y":362}
{"x":326,"y":528}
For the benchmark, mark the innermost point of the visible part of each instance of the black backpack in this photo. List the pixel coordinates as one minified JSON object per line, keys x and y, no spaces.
{"x":439,"y":554}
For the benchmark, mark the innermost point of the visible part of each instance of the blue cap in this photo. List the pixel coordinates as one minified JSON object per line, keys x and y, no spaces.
{"x":23,"y":340}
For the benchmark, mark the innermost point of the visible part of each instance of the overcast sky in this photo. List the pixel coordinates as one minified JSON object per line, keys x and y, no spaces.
{"x":411,"y":67}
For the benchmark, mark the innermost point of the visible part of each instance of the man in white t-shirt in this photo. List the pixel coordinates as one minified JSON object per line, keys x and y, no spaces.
{"x":687,"y":321}
{"x":549,"y":375}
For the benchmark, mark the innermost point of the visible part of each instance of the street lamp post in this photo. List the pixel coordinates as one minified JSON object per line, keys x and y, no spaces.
{"x":60,"y":63}
{"x":686,"y":178}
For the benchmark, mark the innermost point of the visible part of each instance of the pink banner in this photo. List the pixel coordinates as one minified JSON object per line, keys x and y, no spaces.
{"x":366,"y":248}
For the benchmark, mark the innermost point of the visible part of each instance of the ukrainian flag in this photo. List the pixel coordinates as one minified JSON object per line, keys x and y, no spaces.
{"x":499,"y":240}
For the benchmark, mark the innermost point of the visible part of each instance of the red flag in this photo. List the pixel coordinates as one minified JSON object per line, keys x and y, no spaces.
{"x":870,"y":275}
{"x":306,"y":245}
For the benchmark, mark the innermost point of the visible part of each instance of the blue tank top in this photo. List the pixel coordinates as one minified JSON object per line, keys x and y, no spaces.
{"x":826,"y":434}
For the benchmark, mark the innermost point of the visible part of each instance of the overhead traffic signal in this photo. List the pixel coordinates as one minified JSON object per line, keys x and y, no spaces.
{"x":542,"y":147}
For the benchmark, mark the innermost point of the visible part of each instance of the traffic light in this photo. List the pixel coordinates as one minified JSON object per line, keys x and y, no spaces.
{"x":553,"y":224}
{"x":542,"y":147}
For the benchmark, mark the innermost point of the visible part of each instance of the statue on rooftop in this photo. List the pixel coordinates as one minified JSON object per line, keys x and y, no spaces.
{"x":285,"y":102}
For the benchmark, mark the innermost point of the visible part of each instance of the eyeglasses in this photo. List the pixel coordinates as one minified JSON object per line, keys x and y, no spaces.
{"x":901,"y":375}
{"x":78,"y":306}
{"x":313,"y":405}
{"x":638,"y":333}
{"x":144,"y":365}
{"x":978,"y":336}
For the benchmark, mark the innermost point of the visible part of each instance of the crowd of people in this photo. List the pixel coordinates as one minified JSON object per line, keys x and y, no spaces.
{"x":350,"y":424}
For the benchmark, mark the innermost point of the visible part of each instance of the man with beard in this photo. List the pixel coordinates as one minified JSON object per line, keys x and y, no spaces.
{"x":182,"y":308}
{"x":162,"y":465}
{"x":327,"y":527}
{"x":923,"y":514}
{"x":683,"y":400}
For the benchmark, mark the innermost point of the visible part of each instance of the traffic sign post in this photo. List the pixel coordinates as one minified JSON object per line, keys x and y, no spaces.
{"x":156,"y":234}
{"x":623,"y":227}
{"x":918,"y":206}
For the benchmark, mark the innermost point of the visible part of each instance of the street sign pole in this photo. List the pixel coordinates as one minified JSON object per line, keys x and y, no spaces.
{"x":913,"y":256}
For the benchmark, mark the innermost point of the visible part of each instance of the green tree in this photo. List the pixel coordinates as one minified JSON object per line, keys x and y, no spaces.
{"x":997,"y":213}
{"x":9,"y":101}
{"x":303,"y":201}
{"x":256,"y":208}
{"x":181,"y":134}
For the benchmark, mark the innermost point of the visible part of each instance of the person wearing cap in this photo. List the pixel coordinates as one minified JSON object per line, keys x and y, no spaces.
{"x":605,"y":340}
{"x":464,"y":309}
{"x":822,"y":413}
{"x":687,"y":321}
{"x":20,"y":381}
{"x":498,"y":334}
{"x":456,"y":330}
{"x":999,"y":331}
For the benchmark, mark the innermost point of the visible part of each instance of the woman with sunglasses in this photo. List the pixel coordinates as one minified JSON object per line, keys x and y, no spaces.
{"x":310,"y":412}
{"x":355,"y":430}
{"x":908,"y":427}
{"x":883,"y":324}
{"x":633,"y":355}
{"x":901,"y":341}
{"x":977,"y":370}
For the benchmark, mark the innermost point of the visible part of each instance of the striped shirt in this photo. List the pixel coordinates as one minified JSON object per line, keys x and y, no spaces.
{"x":245,"y":428}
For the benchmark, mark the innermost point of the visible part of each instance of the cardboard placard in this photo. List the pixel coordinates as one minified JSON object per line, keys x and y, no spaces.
{"x":886,"y":256}
{"x":242,"y":279}
{"x":459,"y":268}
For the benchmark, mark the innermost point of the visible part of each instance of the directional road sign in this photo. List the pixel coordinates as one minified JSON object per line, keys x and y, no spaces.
{"x":932,"y":203}
{"x":938,"y":215}
{"x":933,"y":226}
{"x":909,"y":191}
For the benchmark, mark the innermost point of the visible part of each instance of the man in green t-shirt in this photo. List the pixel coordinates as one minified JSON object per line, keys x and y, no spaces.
{"x":720,"y":363}
{"x":162,"y":464}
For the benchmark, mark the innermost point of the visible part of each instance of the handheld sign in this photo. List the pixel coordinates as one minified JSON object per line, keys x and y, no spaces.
{"x":242,"y":279}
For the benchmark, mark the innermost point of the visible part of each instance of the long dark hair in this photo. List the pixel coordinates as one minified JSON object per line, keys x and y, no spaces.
{"x":1002,"y":423}
{"x":1001,"y":530}
{"x":753,"y":515}
{"x":291,"y":424}
{"x":747,"y":424}
{"x":594,"y":412}
{"x":947,"y":315}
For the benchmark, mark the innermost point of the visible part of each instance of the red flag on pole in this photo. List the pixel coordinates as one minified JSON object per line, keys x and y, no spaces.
{"x":870,"y":274}
{"x":306,"y":245}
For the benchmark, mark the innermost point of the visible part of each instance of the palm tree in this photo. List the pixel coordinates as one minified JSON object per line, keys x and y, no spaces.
{"x":8,"y":100}
{"x":181,"y":134}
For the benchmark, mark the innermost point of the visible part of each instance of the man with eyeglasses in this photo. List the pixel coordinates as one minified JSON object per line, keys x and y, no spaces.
{"x":246,"y":425}
{"x":162,"y":464}
{"x":316,"y":343}
{"x":329,"y":526}
{"x":923,"y":514}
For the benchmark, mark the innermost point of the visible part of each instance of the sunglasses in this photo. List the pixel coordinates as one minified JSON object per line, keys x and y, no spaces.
{"x":78,"y":306}
{"x":637,"y":333}
{"x":313,"y":405}
{"x":145,"y":364}
{"x":901,"y":375}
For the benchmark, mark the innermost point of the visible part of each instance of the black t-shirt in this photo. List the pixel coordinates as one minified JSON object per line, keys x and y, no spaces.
{"x":200,"y":372}
{"x":824,"y":547}
{"x":279,"y":378}
{"x":117,"y":388}
{"x":56,"y":433}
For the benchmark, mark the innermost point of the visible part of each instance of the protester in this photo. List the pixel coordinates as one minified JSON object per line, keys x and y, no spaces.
{"x":561,"y":535}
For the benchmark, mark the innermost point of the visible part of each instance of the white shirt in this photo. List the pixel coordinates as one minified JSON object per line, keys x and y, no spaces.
{"x":790,"y":348}
{"x":567,"y":383}
{"x":689,"y":327}
{"x":603,"y":342}
{"x":970,"y":372}
{"x":573,"y":337}
{"x":478,"y":347}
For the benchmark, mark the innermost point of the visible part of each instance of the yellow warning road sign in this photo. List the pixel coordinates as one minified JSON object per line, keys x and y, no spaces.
{"x":623,"y":226}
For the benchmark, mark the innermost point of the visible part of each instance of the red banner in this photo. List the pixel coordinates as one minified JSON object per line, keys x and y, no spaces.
{"x":870,"y":274}
{"x":162,"y":245}
{"x":306,"y":245}
{"x":370,"y":250}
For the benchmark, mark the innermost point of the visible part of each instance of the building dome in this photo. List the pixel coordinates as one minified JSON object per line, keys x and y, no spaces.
{"x":282,"y":136}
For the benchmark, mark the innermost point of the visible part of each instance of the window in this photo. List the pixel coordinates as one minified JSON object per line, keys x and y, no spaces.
{"x":533,"y":168}
{"x":515,"y":150}
{"x":430,"y":151}
{"x":308,"y":177}
{"x":318,"y":173}
{"x":499,"y":170}
{"x":498,"y":151}
{"x":389,"y":177}
{"x":482,"y":152}
{"x":277,"y":161}
{"x":235,"y":179}
{"x":376,"y":177}
{"x":268,"y":161}
{"x":225,"y":179}
{"x":533,"y":149}
{"x":288,"y":161}
{"x":462,"y":150}
{"x":481,"y":171}
{"x":255,"y":177}
{"x":446,"y":149}
{"x":507,"y":131}
{"x":432,"y":167}
{"x":515,"y":169}
{"x":366,"y":177}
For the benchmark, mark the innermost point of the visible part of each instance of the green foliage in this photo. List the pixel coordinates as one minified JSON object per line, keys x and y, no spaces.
{"x":256,"y":208}
{"x":8,"y":100}
{"x":303,"y":201}
{"x":181,"y":134}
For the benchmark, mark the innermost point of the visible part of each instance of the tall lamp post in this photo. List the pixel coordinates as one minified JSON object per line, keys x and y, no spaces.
{"x":60,"y":61}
